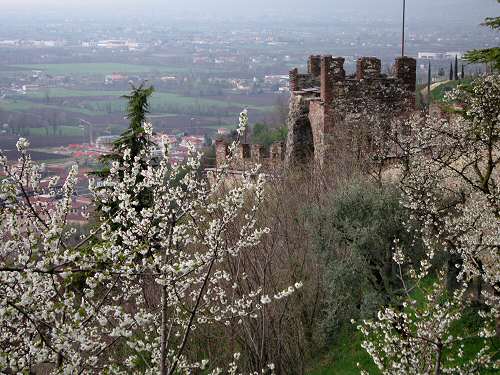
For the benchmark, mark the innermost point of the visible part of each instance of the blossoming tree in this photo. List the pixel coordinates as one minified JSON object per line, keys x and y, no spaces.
{"x":129,"y":301}
{"x":450,"y":185}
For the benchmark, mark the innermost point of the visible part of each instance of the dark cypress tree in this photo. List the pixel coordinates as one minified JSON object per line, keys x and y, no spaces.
{"x":133,"y":138}
{"x":463,"y":72}
{"x":451,"y":71}
{"x":456,"y":68}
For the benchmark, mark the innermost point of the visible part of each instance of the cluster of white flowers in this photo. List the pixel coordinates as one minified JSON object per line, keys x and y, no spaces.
{"x":22,"y":144}
{"x":418,"y":337}
{"x":148,"y":128}
{"x":450,"y":185}
{"x":147,"y":277}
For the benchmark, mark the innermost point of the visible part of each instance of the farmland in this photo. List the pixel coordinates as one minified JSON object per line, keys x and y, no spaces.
{"x":95,"y":104}
{"x":54,"y":99}
{"x":81,"y":69}
{"x":157,"y":99}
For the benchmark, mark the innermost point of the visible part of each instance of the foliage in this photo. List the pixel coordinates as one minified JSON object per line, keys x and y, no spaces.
{"x":354,"y":232}
{"x":450,"y":186}
{"x":488,"y":55}
{"x":131,"y":144}
{"x":136,"y":136}
{"x":264,"y":135}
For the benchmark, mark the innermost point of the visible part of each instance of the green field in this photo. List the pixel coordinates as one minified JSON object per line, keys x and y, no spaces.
{"x":98,"y":68}
{"x":158,"y":97}
{"x":26,"y":105}
{"x":67,"y":93}
{"x":92,"y":102}
{"x":64,"y":130}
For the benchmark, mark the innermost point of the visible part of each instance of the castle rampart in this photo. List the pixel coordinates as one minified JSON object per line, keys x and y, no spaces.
{"x":326,"y":105}
{"x":321,"y":108}
{"x":247,"y":155}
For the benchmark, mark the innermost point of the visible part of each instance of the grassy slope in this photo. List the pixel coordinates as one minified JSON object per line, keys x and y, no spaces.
{"x":344,"y":356}
{"x":439,"y":92}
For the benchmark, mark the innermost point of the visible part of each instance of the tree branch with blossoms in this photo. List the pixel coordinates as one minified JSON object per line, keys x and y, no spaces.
{"x":449,"y":185}
{"x":126,"y":298}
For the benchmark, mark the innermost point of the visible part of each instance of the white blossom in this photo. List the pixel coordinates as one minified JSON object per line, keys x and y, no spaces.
{"x":150,"y":282}
{"x":450,"y":185}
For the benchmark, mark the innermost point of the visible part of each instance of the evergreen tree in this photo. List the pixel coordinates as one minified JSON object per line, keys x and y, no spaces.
{"x":463,"y":72}
{"x":489,"y":56}
{"x":135,"y":138}
{"x":451,"y":71}
{"x":456,"y":68}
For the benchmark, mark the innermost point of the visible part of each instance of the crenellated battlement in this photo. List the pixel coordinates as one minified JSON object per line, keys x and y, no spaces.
{"x":325,"y":99}
{"x":326,"y":104}
{"x":247,"y":155}
{"x":326,"y":75}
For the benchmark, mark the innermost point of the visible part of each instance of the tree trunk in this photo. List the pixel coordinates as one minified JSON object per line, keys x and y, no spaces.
{"x":453,"y":272}
{"x":437,"y":370}
{"x":163,"y":347}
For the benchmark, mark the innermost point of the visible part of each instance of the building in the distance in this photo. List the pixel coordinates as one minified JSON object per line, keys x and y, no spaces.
{"x":440,"y":55}
{"x":105,"y":142}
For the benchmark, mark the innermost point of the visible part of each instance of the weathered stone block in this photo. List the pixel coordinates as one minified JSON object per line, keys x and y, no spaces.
{"x":406,"y":72}
{"x":332,"y":72}
{"x":277,"y":152}
{"x":300,"y":145}
{"x":368,"y":68}
{"x":314,"y":65}
{"x":244,"y":151}
{"x":258,"y":153}
{"x":221,"y":151}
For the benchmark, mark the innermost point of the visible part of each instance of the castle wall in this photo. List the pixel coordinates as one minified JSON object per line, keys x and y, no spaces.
{"x":247,"y":156}
{"x":340,"y":106}
{"x":300,"y":142}
{"x":328,"y":111}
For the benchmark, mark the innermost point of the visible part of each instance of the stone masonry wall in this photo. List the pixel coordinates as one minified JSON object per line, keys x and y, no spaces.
{"x":246,"y":156}
{"x":325,"y":108}
{"x":320,"y":116}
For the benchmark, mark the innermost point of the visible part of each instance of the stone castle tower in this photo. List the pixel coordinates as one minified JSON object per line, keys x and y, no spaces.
{"x":324,"y":102}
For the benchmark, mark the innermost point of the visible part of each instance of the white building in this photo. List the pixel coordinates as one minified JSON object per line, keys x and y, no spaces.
{"x":452,"y":55}
{"x":440,"y":55}
{"x":430,"y":55}
{"x":106,"y":142}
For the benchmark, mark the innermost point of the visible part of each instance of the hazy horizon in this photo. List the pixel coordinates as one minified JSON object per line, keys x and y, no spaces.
{"x":451,"y":10}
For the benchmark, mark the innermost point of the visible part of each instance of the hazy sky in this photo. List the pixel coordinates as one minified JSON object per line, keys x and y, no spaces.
{"x":439,"y":9}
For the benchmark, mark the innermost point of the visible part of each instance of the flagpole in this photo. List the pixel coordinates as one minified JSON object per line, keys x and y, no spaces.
{"x":429,"y":83}
{"x":403,"y":34}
